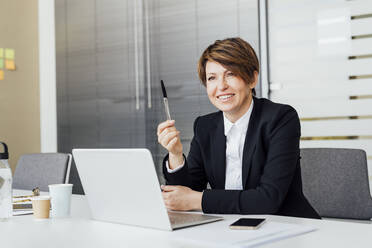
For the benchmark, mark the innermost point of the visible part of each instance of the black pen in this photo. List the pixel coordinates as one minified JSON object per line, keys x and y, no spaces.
{"x":165,"y":100}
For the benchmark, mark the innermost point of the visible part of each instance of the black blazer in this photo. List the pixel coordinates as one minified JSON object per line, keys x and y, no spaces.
{"x":271,"y":170}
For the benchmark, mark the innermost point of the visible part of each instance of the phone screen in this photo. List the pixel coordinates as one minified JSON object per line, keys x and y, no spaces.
{"x":247,"y":223}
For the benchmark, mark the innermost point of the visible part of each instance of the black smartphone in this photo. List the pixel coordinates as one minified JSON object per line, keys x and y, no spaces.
{"x":247,"y":223}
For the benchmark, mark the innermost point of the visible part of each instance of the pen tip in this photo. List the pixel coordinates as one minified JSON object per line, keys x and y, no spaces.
{"x":163,"y":88}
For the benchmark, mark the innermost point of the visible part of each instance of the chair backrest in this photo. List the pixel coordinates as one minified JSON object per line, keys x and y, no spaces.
{"x":335,"y":181}
{"x":41,"y":169}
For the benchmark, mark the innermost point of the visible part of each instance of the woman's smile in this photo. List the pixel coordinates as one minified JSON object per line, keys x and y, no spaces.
{"x":225,"y":97}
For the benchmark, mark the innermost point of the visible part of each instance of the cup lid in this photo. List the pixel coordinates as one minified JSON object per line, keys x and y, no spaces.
{"x":41,"y":198}
{"x":61,"y":185}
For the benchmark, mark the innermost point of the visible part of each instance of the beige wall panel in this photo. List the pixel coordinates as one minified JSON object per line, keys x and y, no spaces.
{"x":19,"y":91}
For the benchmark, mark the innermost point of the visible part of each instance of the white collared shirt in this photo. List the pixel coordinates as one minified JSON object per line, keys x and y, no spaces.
{"x":235,"y":137}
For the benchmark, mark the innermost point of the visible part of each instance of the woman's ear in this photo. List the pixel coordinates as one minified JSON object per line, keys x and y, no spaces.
{"x":253,"y":84}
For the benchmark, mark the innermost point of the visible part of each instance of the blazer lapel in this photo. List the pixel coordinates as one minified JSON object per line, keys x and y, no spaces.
{"x":218,"y":152}
{"x":250,"y":144}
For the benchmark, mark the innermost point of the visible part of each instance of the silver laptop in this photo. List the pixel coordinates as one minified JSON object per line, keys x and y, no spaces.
{"x":121,"y":186}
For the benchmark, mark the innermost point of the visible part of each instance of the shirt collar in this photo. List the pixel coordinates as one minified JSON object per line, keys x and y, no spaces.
{"x":241,"y":123}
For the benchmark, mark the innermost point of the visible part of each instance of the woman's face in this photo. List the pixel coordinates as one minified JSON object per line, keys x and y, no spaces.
{"x":227,"y":91}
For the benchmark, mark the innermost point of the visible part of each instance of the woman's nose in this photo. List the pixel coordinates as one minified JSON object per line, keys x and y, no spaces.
{"x":222,"y":84}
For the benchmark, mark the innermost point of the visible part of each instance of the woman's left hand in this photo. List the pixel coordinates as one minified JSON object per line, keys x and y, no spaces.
{"x":181,"y":198}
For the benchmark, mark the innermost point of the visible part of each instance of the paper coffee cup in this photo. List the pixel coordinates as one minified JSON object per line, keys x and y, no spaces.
{"x":60,"y":199}
{"x":41,"y":207}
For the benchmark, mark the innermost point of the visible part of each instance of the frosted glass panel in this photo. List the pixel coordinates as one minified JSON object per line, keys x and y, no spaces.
{"x":321,"y":65}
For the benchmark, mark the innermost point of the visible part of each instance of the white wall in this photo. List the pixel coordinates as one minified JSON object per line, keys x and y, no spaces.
{"x":47,"y":72}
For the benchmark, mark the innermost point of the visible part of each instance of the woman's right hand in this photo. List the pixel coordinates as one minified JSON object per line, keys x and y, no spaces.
{"x":169,"y":138}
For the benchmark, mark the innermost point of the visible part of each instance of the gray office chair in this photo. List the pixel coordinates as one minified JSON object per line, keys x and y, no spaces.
{"x":335,"y":181}
{"x":41,"y":169}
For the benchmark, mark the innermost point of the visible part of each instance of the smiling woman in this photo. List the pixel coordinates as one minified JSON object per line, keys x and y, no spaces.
{"x":248,"y":151}
{"x":229,"y":70}
{"x":228,"y":91}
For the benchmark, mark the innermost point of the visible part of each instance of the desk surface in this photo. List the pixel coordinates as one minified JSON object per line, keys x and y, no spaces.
{"x":80,"y":231}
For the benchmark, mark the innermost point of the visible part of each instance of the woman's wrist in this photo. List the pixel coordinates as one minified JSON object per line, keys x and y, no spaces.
{"x":175,"y":160}
{"x":197,"y":200}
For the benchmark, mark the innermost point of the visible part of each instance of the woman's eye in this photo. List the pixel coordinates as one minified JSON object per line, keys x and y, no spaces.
{"x":211,"y":78}
{"x":230,"y":74}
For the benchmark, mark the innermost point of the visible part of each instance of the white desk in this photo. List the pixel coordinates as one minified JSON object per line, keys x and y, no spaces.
{"x":80,"y":231}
